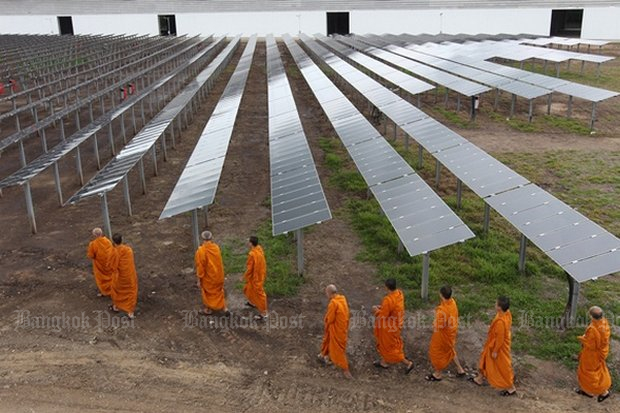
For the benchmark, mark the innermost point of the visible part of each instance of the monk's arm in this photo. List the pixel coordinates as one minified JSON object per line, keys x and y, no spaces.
{"x":440,"y":320}
{"x":500,"y":337}
{"x":199,"y":265}
{"x":384,"y":309}
{"x":330,"y":317}
{"x":91,"y":251}
{"x":590,"y":341}
{"x":249,"y":267}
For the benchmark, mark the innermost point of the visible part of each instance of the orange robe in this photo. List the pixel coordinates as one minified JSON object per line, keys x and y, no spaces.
{"x":443,"y":342}
{"x":498,"y":372}
{"x":210,"y":272}
{"x":125,"y":280}
{"x":592,"y":372}
{"x":255,"y":273}
{"x":389,"y":321}
{"x":336,"y":331}
{"x":101,"y":251}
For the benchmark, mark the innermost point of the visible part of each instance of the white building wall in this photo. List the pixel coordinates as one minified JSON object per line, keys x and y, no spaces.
{"x":249,"y":23}
{"x":117,"y":24}
{"x":452,"y":21}
{"x":28,"y":24}
{"x":598,"y":22}
{"x":601,"y":23}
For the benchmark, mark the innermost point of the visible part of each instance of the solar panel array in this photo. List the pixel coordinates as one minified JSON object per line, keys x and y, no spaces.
{"x":421,"y":219}
{"x":467,"y":55}
{"x":404,"y":81}
{"x":132,"y":153}
{"x":198,"y":183}
{"x":477,"y":169}
{"x":297,"y":197}
{"x":472,"y":72}
{"x":452,"y":82}
{"x":582,"y":248}
{"x":55,"y":154}
{"x":106,"y":77}
{"x":499,"y":186}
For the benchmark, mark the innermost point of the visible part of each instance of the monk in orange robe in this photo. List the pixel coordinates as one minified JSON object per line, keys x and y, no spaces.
{"x":389,"y":320}
{"x":125,"y":279}
{"x":334,"y":346}
{"x":442,"y":350}
{"x":210,"y":273}
{"x":495,"y":361}
{"x":592,"y":373}
{"x":100,"y":251}
{"x":254,"y":277}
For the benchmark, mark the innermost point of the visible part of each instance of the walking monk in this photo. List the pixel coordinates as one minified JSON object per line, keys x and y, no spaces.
{"x":100,"y":251}
{"x":389,"y":320}
{"x":125,"y":279}
{"x":334,"y":346}
{"x":443,"y":342}
{"x":210,"y":273}
{"x":592,"y":373}
{"x":254,"y":277}
{"x":495,"y":360}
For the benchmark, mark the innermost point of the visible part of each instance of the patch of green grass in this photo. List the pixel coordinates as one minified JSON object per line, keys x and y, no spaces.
{"x":455,"y":118}
{"x":282,"y":279}
{"x":567,"y":124}
{"x":484,"y":267}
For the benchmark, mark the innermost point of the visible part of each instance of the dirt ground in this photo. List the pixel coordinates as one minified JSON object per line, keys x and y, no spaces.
{"x":172,"y":359}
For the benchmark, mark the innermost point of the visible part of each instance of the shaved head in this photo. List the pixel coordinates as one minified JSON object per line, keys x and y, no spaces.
{"x":97,"y":232}
{"x":596,"y":312}
{"x":206,"y":235}
{"x":331,"y":289}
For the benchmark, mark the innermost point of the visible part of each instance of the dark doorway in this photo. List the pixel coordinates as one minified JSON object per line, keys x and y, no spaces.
{"x":338,"y":23}
{"x":566,"y":23}
{"x":167,"y":25}
{"x":65,"y":25}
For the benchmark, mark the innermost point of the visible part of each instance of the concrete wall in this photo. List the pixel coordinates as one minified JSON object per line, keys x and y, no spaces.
{"x":598,"y":23}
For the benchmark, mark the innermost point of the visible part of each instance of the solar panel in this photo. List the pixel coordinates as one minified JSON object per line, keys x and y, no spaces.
{"x":55,"y":154}
{"x":537,"y":214}
{"x":383,"y":168}
{"x":110,"y":175}
{"x":298,"y":199}
{"x":526,"y":84}
{"x":208,"y":157}
{"x":459,"y":85}
{"x":397,"y":77}
{"x":582,"y":248}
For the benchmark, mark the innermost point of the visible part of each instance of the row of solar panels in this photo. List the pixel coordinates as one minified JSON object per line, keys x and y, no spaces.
{"x":462,"y":86}
{"x":493,"y":80}
{"x":110,"y":175}
{"x":552,"y":55}
{"x":66,"y":74}
{"x":46,"y":160}
{"x":55,"y":117}
{"x":198,"y":183}
{"x":86,"y":83}
{"x":421,"y":219}
{"x":468,"y":61}
{"x":581,"y":247}
{"x":297,"y":197}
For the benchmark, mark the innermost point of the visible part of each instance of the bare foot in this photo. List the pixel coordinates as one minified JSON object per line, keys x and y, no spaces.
{"x":347,"y":375}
